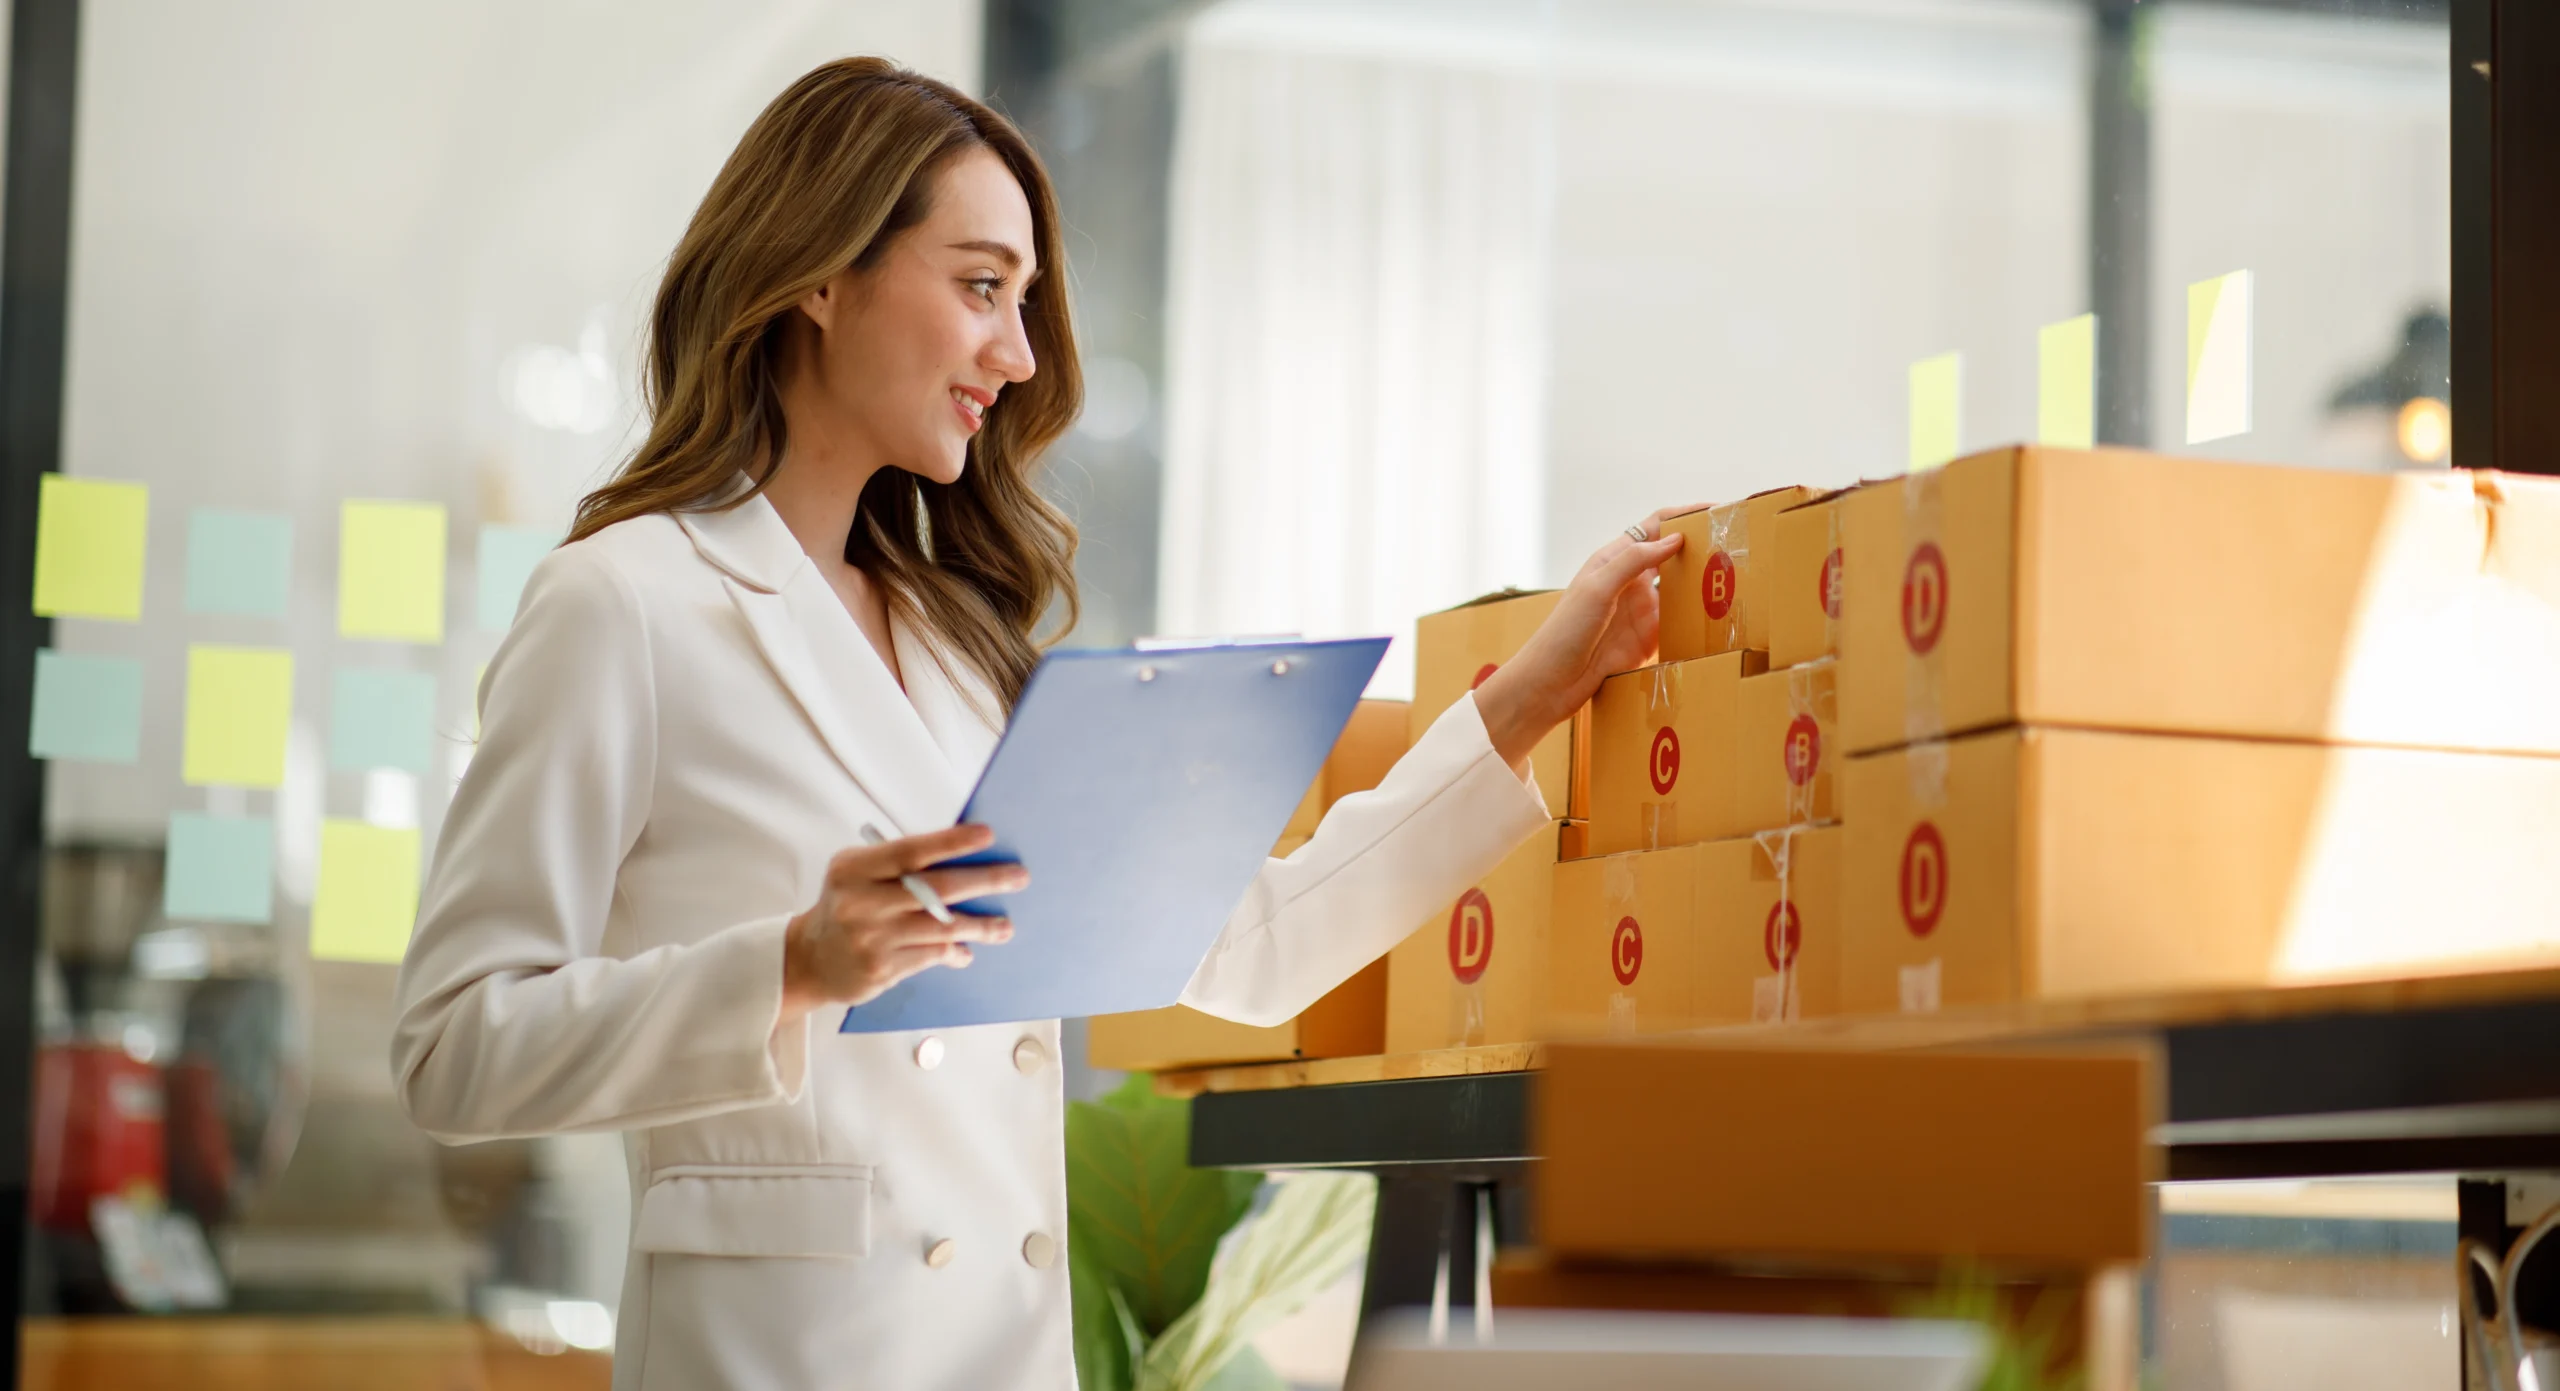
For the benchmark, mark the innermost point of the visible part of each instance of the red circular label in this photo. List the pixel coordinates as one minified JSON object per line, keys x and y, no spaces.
{"x":1626,"y":951}
{"x":1924,"y":597}
{"x":1715,"y":587}
{"x":1782,"y":936}
{"x":1804,"y":749}
{"x":1662,"y":765}
{"x":1481,"y":676}
{"x":1831,"y":583}
{"x":1924,"y":879}
{"x":1470,"y":936}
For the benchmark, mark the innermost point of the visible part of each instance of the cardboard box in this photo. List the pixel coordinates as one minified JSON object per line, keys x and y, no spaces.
{"x":1377,"y":735}
{"x":1814,"y":1156}
{"x":1624,"y":948}
{"x":1456,"y":649}
{"x":1787,"y":725}
{"x":1663,"y":747}
{"x":2121,"y":590}
{"x":2052,"y":863}
{"x":1770,"y":926}
{"x":1349,"y":1022}
{"x":1805,"y":583}
{"x":1715,"y":592}
{"x":1475,"y":973}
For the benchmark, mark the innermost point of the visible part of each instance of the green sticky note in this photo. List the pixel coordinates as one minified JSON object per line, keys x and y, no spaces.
{"x":367,"y":897}
{"x":239,"y":710}
{"x":391,"y":571}
{"x":2067,"y":383}
{"x":1937,"y":410}
{"x":221,"y":869}
{"x":86,"y":708}
{"x":89,"y":538}
{"x":2220,"y":313}
{"x":507,"y":557}
{"x":239,"y":562}
{"x":382,"y":719}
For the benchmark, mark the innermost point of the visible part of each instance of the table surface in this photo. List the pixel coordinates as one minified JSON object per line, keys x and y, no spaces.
{"x":2443,"y":1074}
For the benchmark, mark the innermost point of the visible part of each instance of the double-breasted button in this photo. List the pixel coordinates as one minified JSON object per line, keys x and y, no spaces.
{"x":929,"y":1053}
{"x":940,"y":1253}
{"x":1040,"y":1249}
{"x":1029,"y":1056}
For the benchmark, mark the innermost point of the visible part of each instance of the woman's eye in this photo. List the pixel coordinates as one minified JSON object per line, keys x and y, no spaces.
{"x":985,"y":287}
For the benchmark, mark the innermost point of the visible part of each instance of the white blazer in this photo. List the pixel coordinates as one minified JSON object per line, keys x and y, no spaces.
{"x":682,"y":727}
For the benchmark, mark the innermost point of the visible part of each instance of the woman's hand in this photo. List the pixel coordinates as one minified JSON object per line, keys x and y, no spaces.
{"x":1605,"y":623}
{"x":867,"y":933}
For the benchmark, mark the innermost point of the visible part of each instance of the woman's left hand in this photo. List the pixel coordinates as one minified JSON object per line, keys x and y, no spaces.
{"x":1606,"y":623}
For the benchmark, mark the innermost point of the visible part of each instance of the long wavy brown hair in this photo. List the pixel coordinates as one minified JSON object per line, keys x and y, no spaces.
{"x":827,"y":177}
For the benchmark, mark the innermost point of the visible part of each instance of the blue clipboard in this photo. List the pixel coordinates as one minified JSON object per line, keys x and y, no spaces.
{"x":1144,"y":790}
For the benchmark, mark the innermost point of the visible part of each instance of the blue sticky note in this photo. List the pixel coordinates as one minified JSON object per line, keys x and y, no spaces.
{"x":507,"y":557}
{"x":88,"y":708}
{"x":382,"y":718}
{"x":221,"y":869}
{"x":239,"y":562}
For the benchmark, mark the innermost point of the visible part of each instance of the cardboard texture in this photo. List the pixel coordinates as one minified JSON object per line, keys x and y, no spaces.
{"x":2116,"y":589}
{"x":1378,"y":734}
{"x":1805,"y":588}
{"x":1663,"y":749}
{"x":2090,"y":1319}
{"x":1348,"y":1022}
{"x":1786,"y":765}
{"x":1454,"y":650}
{"x":1475,"y":972}
{"x":1624,"y":953}
{"x":1714,"y":592}
{"x":1768,"y":915}
{"x":2053,"y":863}
{"x":1925,"y":1156}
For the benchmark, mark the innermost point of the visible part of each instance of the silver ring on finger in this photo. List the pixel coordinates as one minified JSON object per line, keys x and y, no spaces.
{"x":1638,"y":534}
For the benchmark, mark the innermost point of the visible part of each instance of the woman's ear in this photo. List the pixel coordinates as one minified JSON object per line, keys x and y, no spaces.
{"x":820,"y":304}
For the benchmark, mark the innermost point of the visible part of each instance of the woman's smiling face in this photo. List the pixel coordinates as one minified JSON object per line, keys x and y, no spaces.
{"x":915,"y":348}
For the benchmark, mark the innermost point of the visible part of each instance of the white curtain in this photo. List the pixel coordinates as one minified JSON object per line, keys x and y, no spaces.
{"x":1356,"y":364}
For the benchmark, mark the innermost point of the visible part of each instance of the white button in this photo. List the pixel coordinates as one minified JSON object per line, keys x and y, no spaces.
{"x":1040,"y":1249}
{"x":929,"y":1053}
{"x":1029,"y":1057}
{"x":940,"y":1253}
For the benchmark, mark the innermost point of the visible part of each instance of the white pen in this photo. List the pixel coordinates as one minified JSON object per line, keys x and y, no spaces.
{"x":926,"y":898}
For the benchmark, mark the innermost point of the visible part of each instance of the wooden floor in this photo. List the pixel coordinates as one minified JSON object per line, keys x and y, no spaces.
{"x":1986,"y":1024}
{"x":217,"y":1354}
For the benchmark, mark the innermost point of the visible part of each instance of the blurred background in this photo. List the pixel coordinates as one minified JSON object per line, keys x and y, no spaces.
{"x":1385,"y":303}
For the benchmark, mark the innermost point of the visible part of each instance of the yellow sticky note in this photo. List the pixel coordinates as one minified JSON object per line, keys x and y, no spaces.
{"x":239,"y":709}
{"x":89,"y":540}
{"x":367,"y":897}
{"x":2219,"y":316}
{"x":1937,"y":409}
{"x":391,"y":571}
{"x":2067,"y":383}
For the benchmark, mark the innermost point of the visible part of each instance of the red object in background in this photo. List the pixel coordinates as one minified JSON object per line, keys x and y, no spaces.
{"x":99,"y":1132}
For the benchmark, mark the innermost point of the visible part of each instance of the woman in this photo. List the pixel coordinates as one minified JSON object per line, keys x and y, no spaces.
{"x":805,"y":605}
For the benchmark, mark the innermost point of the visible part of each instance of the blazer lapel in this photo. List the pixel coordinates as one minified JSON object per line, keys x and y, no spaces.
{"x":962,"y":713}
{"x":822,"y":658}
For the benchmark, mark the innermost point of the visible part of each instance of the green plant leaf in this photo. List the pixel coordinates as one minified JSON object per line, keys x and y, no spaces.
{"x":1140,"y":1219}
{"x":1106,"y":1358}
{"x":1315,"y":1227}
{"x":1246,"y":1371}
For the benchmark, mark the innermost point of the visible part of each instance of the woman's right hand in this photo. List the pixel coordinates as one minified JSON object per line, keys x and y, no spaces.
{"x":867,"y":933}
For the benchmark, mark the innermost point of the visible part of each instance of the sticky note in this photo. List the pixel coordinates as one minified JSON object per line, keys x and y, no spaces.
{"x":380,"y":718}
{"x":86,"y":708}
{"x":367,"y":897}
{"x":89,"y":536}
{"x":391,"y":571}
{"x":239,"y":707}
{"x":2067,"y":383}
{"x":239,"y":562}
{"x":1937,"y":409}
{"x":2219,"y":315}
{"x":220,"y":869}
{"x":507,"y":557}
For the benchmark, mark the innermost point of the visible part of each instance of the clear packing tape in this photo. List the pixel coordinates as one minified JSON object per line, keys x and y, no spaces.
{"x":1728,"y":535}
{"x":1924,"y":725}
{"x":1812,"y":706}
{"x":1662,"y":709}
{"x":1774,"y":997}
{"x":1626,"y":941}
